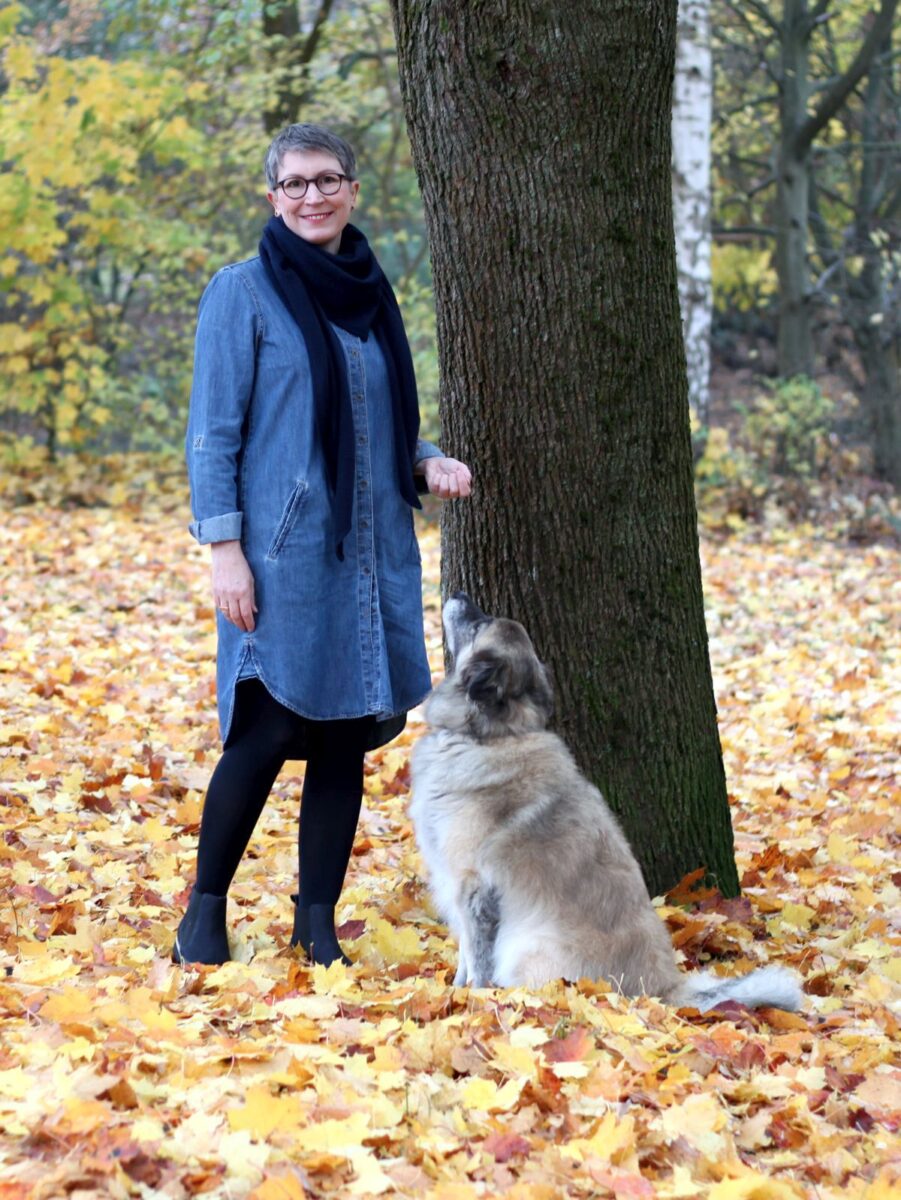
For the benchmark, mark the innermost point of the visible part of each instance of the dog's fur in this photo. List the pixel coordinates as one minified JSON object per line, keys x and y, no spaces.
{"x":527,"y":863}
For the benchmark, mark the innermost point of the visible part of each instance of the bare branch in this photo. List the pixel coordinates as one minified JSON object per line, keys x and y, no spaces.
{"x":892,"y":207}
{"x":315,"y":34}
{"x":724,"y":233}
{"x":839,"y":92}
{"x":818,"y":13}
{"x":744,"y":105}
{"x":765,"y":15}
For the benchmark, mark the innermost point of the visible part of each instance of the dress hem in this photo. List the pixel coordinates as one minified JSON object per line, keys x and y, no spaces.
{"x":393,"y":721}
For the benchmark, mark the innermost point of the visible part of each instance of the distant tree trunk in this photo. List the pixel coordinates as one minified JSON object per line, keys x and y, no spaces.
{"x":792,"y":198}
{"x":541,"y":136}
{"x":799,"y":126}
{"x":882,"y":400}
{"x":692,"y":116}
{"x":290,"y":49}
{"x":873,"y":307}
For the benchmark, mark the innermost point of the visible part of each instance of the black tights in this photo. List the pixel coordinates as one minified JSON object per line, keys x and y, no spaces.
{"x":264,"y":733}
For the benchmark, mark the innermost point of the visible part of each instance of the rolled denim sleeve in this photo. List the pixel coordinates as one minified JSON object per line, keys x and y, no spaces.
{"x":426,"y":450}
{"x":229,"y":325}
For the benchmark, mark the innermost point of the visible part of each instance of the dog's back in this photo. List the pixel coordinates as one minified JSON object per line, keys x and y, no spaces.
{"x":517,"y":813}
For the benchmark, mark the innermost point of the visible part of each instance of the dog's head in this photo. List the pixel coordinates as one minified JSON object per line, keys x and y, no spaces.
{"x":497,"y":686}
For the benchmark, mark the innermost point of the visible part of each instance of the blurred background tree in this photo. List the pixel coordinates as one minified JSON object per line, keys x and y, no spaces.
{"x":132,"y":134}
{"x":807,"y":171}
{"x":133,"y":137}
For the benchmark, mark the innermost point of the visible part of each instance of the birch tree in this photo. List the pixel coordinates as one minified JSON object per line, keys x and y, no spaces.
{"x":692,"y":120}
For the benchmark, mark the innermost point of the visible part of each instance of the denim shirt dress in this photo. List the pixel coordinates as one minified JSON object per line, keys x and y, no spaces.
{"x":333,"y":639}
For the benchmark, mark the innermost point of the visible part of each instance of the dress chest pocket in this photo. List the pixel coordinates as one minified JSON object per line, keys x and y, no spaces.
{"x":289,"y":516}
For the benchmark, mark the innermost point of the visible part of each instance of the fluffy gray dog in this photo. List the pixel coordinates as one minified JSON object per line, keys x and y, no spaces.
{"x":526,"y":862}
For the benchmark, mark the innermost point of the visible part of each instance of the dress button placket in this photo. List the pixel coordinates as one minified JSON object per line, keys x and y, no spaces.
{"x":365,"y":547}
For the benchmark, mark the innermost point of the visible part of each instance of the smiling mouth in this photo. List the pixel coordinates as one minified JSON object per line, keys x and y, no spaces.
{"x":316,"y":216}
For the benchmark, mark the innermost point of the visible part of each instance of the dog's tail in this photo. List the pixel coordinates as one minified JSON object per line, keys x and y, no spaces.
{"x":769,"y":987}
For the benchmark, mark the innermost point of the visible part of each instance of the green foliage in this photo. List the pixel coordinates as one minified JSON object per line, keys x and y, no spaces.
{"x":133,"y":133}
{"x":787,"y":431}
{"x":744,"y":278}
{"x":782,"y":456}
{"x":102,"y":156}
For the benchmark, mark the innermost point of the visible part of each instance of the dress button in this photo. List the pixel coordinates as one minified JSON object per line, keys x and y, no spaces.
{"x":366,"y":571}
{"x":363,"y":483}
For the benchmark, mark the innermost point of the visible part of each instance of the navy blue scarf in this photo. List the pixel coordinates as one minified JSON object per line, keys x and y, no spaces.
{"x":351,"y":290}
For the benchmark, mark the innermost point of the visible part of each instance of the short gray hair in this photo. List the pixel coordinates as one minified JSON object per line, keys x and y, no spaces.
{"x":308,"y":137}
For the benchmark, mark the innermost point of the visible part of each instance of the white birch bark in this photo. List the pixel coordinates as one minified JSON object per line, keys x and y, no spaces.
{"x":692,"y":116}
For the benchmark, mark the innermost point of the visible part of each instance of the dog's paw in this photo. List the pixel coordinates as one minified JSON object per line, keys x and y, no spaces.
{"x":461,"y":979}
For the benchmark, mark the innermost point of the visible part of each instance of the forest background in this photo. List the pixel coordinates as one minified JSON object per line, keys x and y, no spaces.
{"x":132,"y":136}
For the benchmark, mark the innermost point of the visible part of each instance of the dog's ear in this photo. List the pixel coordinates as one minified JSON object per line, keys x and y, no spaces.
{"x":492,"y":681}
{"x":542,"y":690}
{"x":485,"y":680}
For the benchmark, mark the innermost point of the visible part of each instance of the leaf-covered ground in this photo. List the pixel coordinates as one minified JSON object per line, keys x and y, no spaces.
{"x":121,"y":1075}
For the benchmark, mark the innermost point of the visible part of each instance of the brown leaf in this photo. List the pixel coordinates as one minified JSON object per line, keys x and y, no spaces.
{"x":577,"y":1044}
{"x":504,"y":1146}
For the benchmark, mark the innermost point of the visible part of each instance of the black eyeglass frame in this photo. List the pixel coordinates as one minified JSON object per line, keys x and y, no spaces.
{"x":306,"y":182}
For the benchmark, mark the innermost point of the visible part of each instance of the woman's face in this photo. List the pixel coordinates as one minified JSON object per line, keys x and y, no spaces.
{"x":316,"y":218}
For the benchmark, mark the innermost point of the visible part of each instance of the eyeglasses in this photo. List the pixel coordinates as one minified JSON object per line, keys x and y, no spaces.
{"x":295,"y":186}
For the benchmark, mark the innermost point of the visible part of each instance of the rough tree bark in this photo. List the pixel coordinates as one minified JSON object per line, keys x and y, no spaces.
{"x":541,"y":136}
{"x":692,"y":119}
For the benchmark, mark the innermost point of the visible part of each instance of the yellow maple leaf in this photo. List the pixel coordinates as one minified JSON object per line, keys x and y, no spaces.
{"x":369,"y":1178}
{"x":840,"y":849}
{"x":284,"y":1186}
{"x":15,"y":1084}
{"x":243,"y":1158}
{"x":338,"y":1137}
{"x":699,"y":1119}
{"x":70,"y":1006}
{"x":396,"y":944}
{"x":486,"y":1096}
{"x":262,"y":1113}
{"x":609,"y":1142}
{"x":798,"y":915}
{"x":44,"y":970}
{"x":754,"y":1187}
{"x":886,"y":1186}
{"x":518,"y":1059}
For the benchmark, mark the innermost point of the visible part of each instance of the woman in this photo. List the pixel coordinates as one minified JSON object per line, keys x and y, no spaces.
{"x":302,"y":449}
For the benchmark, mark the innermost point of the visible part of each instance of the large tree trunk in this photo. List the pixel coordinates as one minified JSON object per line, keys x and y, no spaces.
{"x":541,"y":136}
{"x":692,"y":117}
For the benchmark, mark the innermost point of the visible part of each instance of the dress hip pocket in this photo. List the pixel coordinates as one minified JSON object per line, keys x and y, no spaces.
{"x":289,"y":517}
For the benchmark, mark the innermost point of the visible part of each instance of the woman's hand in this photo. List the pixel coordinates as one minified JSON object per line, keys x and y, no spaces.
{"x":446,"y":477}
{"x":233,"y":585}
